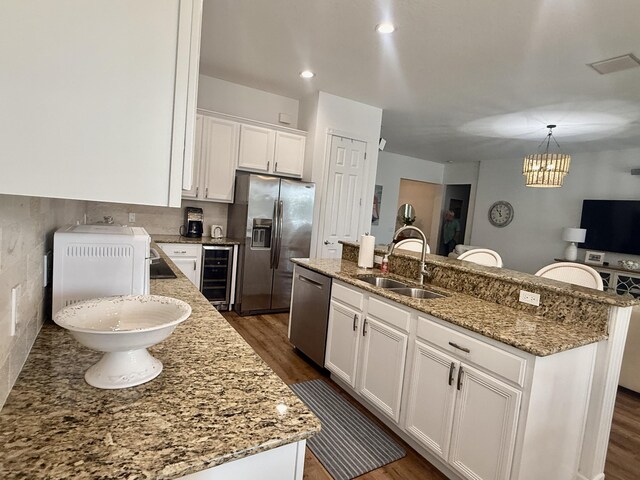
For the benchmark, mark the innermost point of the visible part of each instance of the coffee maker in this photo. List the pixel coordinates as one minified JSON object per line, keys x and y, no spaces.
{"x":193,"y":219}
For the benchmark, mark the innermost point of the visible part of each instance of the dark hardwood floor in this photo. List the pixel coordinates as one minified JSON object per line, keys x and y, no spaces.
{"x":267,"y":334}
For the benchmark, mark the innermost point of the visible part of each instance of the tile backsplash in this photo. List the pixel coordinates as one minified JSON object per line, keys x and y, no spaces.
{"x":158,"y":220}
{"x":26,"y":234}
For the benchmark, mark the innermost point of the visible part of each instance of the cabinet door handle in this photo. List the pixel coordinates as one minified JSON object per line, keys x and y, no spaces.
{"x":206,"y":193}
{"x":275,"y":168}
{"x":197,"y":190}
{"x":460,"y":378}
{"x":464,"y":349}
{"x":179,"y":251}
{"x":452,"y":368}
{"x":355,"y":322}
{"x":364,"y":328}
{"x":195,"y":265}
{"x":268,"y":163}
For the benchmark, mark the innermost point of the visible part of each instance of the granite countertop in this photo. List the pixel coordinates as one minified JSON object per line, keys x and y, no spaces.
{"x":215,"y":401}
{"x":522,"y":279}
{"x":202,"y":241}
{"x":530,"y":333}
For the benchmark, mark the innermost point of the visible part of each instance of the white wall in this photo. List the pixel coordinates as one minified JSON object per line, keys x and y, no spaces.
{"x":26,"y":233}
{"x":234,"y":99}
{"x":391,"y":168}
{"x":533,"y":239}
{"x":323,"y":113}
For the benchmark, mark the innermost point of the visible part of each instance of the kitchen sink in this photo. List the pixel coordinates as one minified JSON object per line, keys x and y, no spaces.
{"x":420,"y":293}
{"x":382,"y":282}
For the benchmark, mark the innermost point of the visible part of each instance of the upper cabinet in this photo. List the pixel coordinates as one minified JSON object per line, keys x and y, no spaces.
{"x":271,"y":151}
{"x":289,"y":154}
{"x":216,"y":155}
{"x":104,"y":109}
{"x":224,"y":143}
{"x":256,"y":148}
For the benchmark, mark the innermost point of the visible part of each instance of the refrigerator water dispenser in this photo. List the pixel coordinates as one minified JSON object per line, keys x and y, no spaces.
{"x":261,"y":233}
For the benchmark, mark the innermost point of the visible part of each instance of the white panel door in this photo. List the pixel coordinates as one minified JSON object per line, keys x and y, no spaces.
{"x":431,"y":398}
{"x":97,"y":98}
{"x":342,"y":342}
{"x":343,"y":205}
{"x":196,"y":175}
{"x":289,"y":154}
{"x":484,"y":426}
{"x":382,"y":371}
{"x":220,"y":148}
{"x":256,"y":148}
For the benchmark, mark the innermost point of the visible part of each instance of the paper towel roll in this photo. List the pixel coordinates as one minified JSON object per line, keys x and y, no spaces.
{"x":367,"y":247}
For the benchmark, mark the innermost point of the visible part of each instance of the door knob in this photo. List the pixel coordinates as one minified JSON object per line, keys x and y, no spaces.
{"x":327,"y":242}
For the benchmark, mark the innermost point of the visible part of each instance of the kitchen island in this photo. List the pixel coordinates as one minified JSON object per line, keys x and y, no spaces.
{"x":481,"y":384}
{"x":215,"y":402}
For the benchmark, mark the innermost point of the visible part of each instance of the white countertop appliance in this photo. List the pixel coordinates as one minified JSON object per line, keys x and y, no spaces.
{"x":92,"y":261}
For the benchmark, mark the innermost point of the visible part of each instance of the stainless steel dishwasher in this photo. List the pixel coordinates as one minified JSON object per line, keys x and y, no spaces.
{"x":309,"y":313}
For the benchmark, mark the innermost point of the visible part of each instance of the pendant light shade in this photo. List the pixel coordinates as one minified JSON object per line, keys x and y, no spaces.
{"x":546,"y":170}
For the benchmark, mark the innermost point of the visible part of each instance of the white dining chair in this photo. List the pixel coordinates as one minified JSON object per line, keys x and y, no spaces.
{"x":482,"y":256}
{"x":411,"y":244}
{"x":574,"y":273}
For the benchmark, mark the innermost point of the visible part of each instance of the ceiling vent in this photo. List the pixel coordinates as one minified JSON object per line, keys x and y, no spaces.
{"x":615,"y":64}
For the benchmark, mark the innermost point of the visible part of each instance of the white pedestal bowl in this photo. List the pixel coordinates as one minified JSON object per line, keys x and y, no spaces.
{"x":123,"y":327}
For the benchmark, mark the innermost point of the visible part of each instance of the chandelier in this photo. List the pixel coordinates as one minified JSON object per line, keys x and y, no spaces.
{"x":546,"y":170}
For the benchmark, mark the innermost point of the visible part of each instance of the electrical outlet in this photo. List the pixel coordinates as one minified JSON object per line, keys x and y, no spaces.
{"x":132,"y":218}
{"x":47,"y":268}
{"x":15,"y":294}
{"x":530,"y":298}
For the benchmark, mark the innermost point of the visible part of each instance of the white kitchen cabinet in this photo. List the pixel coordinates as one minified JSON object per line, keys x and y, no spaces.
{"x":256,"y":148}
{"x":484,"y":425}
{"x":271,"y":151}
{"x":114,"y":88}
{"x":187,"y":257}
{"x":382,"y":364}
{"x":217,"y":155}
{"x":193,"y":188}
{"x":289,"y":154}
{"x":431,"y":397}
{"x":342,"y":341}
{"x":367,"y":345}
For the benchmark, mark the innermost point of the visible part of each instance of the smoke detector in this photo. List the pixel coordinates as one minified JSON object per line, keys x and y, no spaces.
{"x":615,"y":64}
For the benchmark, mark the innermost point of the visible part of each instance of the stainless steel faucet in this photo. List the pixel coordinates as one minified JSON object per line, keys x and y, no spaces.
{"x":423,"y":266}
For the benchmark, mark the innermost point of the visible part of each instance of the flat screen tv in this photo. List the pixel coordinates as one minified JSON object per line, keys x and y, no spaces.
{"x":612,"y":225}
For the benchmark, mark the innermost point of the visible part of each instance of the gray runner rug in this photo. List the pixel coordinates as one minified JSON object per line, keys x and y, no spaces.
{"x":349,"y":443}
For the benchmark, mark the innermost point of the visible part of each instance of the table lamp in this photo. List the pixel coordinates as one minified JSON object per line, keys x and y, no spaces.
{"x":573,"y":236}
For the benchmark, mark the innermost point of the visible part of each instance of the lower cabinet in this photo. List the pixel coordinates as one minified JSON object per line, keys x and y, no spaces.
{"x":187,"y":257}
{"x":384,"y":351}
{"x":457,"y":396}
{"x":365,"y":351}
{"x":342,"y":341}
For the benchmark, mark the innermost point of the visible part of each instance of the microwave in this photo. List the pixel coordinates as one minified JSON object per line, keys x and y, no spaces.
{"x":92,"y":261}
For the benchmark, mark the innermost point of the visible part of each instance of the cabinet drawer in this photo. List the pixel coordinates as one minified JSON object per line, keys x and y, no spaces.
{"x":347,"y":295}
{"x":389,"y":313}
{"x":181,"y":249}
{"x":503,"y":363}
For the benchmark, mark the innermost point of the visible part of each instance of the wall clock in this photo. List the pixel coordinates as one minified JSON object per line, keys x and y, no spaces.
{"x":500,"y":214}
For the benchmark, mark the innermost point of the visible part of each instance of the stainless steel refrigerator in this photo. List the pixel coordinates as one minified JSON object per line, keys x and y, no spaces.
{"x":271,"y":217}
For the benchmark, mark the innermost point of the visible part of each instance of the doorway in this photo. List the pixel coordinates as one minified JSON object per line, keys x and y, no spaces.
{"x":426,"y":200}
{"x":456,"y":199}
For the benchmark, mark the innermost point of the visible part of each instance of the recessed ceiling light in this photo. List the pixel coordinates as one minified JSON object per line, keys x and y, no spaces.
{"x":385,"y":28}
{"x":307,"y":74}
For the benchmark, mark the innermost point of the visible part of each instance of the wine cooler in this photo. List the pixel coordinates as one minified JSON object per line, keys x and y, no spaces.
{"x":218,"y":275}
